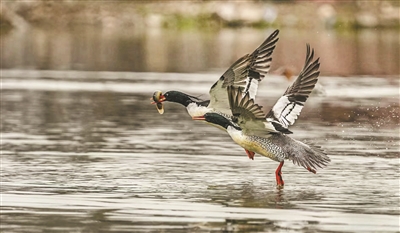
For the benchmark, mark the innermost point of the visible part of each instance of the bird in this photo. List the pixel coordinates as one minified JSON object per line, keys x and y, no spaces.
{"x":245,"y":74}
{"x":267,"y":134}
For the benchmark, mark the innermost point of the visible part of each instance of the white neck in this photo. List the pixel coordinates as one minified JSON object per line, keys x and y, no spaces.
{"x":196,"y":110}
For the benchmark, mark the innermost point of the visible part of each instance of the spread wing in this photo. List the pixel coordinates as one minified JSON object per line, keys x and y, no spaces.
{"x":288,"y":107}
{"x":248,"y":115}
{"x":244,"y":74}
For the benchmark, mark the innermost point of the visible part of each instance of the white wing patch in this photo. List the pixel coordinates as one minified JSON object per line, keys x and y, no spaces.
{"x":252,"y":88}
{"x":244,"y":74}
{"x":286,"y":111}
{"x":219,"y":99}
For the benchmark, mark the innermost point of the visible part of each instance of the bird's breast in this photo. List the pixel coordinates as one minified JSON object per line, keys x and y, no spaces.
{"x":259,"y":145}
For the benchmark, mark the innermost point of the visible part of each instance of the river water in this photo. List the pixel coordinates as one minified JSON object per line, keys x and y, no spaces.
{"x":83,"y":150}
{"x":87,"y":152}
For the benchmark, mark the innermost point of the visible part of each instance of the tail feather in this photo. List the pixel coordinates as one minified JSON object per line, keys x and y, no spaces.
{"x":308,"y":156}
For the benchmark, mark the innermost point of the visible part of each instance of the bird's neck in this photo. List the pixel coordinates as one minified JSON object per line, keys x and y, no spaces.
{"x":195,"y":109}
{"x":184,"y":99}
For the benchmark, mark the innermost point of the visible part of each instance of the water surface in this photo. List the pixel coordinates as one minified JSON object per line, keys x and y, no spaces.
{"x":86,"y":152}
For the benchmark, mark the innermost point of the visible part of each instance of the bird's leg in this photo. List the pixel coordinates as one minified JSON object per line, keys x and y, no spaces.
{"x":311,"y":170}
{"x":278,"y":174}
{"x":250,"y":154}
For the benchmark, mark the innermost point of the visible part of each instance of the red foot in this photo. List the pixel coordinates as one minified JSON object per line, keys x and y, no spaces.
{"x":311,"y":170}
{"x":250,"y":154}
{"x":278,"y":175}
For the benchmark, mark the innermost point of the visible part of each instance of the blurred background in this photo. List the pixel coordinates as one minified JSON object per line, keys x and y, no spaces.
{"x":353,"y":37}
{"x":83,"y":150}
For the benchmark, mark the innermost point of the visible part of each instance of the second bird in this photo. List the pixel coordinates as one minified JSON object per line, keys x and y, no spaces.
{"x":266,"y":134}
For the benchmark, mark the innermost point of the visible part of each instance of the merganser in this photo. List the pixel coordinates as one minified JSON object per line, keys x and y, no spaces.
{"x":244,"y":74}
{"x":265,"y":134}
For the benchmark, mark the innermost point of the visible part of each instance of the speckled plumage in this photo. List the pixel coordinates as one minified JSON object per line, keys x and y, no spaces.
{"x":278,"y":147}
{"x":267,"y":134}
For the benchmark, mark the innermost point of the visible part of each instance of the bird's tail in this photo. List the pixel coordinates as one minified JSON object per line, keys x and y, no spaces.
{"x":307,"y":156}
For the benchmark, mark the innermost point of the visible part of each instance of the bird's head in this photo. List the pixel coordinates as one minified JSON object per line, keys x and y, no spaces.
{"x":172,"y":96}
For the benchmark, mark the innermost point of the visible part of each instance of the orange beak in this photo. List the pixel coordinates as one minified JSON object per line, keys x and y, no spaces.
{"x":199,"y":118}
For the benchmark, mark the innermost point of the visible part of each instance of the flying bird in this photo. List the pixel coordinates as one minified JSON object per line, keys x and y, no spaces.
{"x":244,"y":74}
{"x":267,"y":134}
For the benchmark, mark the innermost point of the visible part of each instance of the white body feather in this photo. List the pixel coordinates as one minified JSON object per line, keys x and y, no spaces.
{"x":195,"y":110}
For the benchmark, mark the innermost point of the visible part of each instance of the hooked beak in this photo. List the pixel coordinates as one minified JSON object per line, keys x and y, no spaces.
{"x":199,"y":118}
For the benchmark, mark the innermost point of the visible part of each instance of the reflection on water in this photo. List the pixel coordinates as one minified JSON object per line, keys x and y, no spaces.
{"x":87,"y":152}
{"x":88,"y":48}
